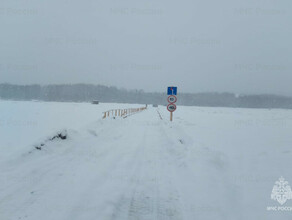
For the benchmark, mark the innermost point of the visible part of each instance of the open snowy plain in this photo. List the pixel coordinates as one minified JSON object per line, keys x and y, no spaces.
{"x":209,"y":163}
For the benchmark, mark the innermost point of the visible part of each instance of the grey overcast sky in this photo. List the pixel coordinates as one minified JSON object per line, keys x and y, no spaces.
{"x":241,"y":46}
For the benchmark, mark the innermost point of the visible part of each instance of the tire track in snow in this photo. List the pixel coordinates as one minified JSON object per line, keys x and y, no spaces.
{"x":122,"y":206}
{"x":152,"y":195}
{"x":157,"y":198}
{"x":111,"y":161}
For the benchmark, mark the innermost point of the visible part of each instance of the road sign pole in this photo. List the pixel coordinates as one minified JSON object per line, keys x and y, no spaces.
{"x":172,"y":92}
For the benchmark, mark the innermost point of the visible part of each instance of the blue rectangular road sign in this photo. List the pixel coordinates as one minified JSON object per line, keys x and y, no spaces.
{"x":172,"y":91}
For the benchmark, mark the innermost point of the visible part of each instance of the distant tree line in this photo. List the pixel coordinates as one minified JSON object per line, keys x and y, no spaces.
{"x":88,"y":93}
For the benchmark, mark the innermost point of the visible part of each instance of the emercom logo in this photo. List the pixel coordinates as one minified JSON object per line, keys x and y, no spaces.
{"x":281,"y":193}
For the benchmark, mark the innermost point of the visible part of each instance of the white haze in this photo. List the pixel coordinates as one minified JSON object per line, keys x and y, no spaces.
{"x":199,"y":46}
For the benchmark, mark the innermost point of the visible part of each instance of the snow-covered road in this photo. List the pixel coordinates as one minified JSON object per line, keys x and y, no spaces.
{"x":141,"y":167}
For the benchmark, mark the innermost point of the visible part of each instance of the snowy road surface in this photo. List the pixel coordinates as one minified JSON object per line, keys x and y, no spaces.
{"x":208,"y":164}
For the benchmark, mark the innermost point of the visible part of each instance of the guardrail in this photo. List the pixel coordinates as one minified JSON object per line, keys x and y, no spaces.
{"x":122,"y":112}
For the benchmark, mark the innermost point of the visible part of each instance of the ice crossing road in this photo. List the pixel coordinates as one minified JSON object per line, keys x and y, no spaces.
{"x":116,"y":169}
{"x":142,"y":167}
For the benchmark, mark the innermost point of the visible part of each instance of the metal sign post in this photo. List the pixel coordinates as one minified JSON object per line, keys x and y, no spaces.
{"x":172,"y":92}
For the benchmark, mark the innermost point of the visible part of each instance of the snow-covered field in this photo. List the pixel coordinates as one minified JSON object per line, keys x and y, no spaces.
{"x":210,"y":163}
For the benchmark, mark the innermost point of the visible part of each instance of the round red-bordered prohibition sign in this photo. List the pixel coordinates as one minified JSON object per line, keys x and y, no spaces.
{"x":171,"y":107}
{"x":172,"y":99}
